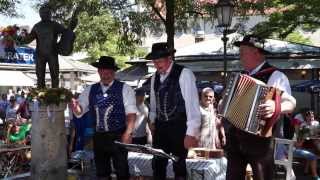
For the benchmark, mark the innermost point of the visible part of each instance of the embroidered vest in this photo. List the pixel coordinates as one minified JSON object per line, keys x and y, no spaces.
{"x":108,"y":108}
{"x":169,"y":101}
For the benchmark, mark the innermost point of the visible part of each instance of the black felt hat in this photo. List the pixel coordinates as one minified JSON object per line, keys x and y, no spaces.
{"x":160,"y":50}
{"x":106,"y":62}
{"x":253,"y":41}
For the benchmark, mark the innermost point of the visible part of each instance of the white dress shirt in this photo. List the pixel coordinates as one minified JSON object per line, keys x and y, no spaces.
{"x":187,"y":82}
{"x":277,"y":79}
{"x":128,"y":94}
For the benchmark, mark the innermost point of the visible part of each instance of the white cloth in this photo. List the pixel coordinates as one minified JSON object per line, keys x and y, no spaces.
{"x":187,"y":82}
{"x":205,"y":169}
{"x":128,"y":94}
{"x":141,"y":121}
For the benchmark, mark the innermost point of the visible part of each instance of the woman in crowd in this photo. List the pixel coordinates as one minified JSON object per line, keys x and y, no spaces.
{"x":12,"y":110}
{"x":305,"y":148}
{"x":212,"y":131}
{"x":311,"y":158}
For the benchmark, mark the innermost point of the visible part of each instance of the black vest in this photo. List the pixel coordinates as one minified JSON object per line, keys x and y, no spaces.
{"x":169,"y":101}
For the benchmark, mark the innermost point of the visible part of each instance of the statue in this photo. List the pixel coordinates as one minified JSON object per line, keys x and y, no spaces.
{"x":46,"y":33}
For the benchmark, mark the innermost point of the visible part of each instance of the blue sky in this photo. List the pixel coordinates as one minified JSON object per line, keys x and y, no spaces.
{"x":25,"y":8}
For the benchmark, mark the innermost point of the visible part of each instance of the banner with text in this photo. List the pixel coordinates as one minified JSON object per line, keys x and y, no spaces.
{"x":17,"y":55}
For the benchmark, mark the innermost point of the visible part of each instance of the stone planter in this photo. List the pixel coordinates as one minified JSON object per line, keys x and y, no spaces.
{"x":48,"y":143}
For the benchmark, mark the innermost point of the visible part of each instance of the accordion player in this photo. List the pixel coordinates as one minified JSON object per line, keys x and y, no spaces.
{"x":241,"y":100}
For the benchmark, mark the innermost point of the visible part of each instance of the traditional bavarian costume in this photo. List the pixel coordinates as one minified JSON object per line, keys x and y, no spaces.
{"x":171,"y":94}
{"x":109,"y":106}
{"x":244,"y":148}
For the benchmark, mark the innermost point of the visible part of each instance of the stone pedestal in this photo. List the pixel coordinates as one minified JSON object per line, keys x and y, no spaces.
{"x":48,"y":143}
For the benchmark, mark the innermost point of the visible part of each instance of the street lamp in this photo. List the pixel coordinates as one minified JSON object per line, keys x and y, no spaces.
{"x":224,"y":12}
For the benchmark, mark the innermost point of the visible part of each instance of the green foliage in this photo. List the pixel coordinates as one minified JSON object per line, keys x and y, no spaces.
{"x":285,"y":16}
{"x":140,"y":17}
{"x":296,"y":37}
{"x":134,"y":19}
{"x":140,"y":52}
{"x":99,"y":32}
{"x":8,"y":7}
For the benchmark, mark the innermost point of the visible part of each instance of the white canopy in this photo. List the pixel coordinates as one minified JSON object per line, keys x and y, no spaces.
{"x":91,"y":78}
{"x":15,"y":78}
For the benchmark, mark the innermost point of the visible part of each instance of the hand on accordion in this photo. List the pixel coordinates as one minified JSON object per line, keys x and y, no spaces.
{"x":267,"y":109}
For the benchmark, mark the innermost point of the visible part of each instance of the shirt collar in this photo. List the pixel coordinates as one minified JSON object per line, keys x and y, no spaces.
{"x":104,"y":86}
{"x":255,"y":70}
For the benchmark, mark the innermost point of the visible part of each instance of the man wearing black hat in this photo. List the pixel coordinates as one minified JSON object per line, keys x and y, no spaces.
{"x":244,"y":148}
{"x":174,"y":111}
{"x":113,"y":105}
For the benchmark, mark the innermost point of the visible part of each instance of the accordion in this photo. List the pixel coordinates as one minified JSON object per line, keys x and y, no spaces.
{"x":240,"y":104}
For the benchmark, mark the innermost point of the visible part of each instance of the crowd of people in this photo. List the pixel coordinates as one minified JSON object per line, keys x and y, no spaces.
{"x":15,"y":117}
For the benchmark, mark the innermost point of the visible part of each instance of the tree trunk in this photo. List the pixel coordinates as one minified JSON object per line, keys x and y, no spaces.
{"x":169,"y":24}
{"x":48,"y":143}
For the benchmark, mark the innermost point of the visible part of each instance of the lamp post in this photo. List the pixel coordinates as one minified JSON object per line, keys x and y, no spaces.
{"x":224,"y":12}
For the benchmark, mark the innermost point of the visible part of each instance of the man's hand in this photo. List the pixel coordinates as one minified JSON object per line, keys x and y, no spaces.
{"x":223,"y":140}
{"x":126,"y":137}
{"x":190,"y":141}
{"x":152,"y":128}
{"x":267,"y":109}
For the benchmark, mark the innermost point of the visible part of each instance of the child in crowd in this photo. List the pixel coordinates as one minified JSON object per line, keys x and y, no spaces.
{"x":141,"y":132}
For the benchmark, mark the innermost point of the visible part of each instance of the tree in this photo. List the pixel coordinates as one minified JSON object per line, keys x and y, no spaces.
{"x":98,"y":35}
{"x":284,"y":17}
{"x":98,"y":32}
{"x":143,"y":16}
{"x":136,"y":18}
{"x":296,"y":37}
{"x":8,"y":7}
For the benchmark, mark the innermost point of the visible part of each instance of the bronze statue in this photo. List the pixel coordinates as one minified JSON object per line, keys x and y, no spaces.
{"x":46,"y":33}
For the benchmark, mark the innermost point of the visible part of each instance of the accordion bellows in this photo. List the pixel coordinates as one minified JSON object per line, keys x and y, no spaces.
{"x":241,"y":100}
